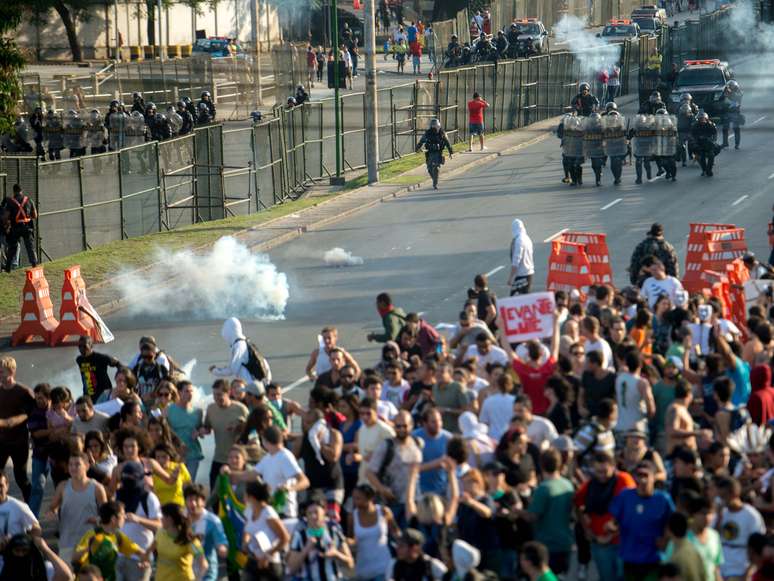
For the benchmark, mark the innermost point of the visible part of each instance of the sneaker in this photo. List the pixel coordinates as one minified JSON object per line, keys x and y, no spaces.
{"x":617,"y":183}
{"x":638,"y":181}
{"x":565,"y":180}
{"x":659,"y":172}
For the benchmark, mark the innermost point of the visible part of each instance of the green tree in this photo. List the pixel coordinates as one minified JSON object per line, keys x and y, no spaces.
{"x":69,"y":11}
{"x":11,"y":62}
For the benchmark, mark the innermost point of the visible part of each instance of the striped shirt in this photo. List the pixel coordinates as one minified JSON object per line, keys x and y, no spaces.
{"x":315,"y":567}
{"x":592,"y":438}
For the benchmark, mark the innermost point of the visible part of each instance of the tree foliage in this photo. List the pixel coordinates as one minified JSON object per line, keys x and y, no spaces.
{"x":11,"y":62}
{"x":69,"y":11}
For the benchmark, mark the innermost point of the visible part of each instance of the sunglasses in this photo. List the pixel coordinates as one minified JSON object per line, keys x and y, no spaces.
{"x":348,"y":377}
{"x":578,"y":353}
{"x":164,"y":394}
{"x":400,"y":426}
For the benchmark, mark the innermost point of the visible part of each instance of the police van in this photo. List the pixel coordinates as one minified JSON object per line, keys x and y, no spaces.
{"x":704,"y":79}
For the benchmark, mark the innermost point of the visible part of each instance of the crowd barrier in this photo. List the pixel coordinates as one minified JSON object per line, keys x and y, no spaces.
{"x":220,"y":170}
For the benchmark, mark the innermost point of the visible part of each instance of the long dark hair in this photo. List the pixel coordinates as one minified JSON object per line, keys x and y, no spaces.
{"x":181,"y":522}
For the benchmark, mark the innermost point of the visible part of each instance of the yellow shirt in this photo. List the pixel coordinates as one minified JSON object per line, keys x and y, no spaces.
{"x":175,"y":562}
{"x":172,"y":492}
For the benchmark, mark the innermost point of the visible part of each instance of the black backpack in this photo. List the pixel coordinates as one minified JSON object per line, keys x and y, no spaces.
{"x":256,"y":363}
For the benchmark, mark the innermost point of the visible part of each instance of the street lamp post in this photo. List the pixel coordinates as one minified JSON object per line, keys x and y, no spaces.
{"x":371,"y":119}
{"x":338,"y":179}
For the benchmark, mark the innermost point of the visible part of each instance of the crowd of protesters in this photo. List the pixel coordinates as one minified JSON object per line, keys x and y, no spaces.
{"x":632,"y":444}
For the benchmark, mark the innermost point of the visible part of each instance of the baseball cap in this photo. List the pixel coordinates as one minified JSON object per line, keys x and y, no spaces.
{"x":674,"y":361}
{"x":255,"y":388}
{"x":149,"y":340}
{"x":636,"y":434}
{"x":412,"y":537}
{"x":494,"y":467}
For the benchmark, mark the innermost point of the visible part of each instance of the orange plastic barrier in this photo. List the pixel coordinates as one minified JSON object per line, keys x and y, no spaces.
{"x":568,"y":267}
{"x":598,"y":253}
{"x":693,"y":261}
{"x":716,"y":249}
{"x":37,"y":312}
{"x":719,"y":288}
{"x":73,"y":321}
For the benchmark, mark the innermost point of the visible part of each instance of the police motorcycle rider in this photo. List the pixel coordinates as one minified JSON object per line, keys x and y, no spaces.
{"x":187,"y":123}
{"x":731,"y":105}
{"x":434,"y":141}
{"x":643,"y":137}
{"x":206,"y":98}
{"x":666,"y":143}
{"x":203,"y":114}
{"x":584,"y":102}
{"x":652,"y":105}
{"x":704,"y":134}
{"x":501,"y":46}
{"x":616,"y":147}
{"x":53,"y":135}
{"x":453,"y":52}
{"x":686,"y":115}
{"x":37,"y":121}
{"x":138,"y":103}
{"x":570,"y":132}
{"x":593,"y":145}
{"x":95,"y":133}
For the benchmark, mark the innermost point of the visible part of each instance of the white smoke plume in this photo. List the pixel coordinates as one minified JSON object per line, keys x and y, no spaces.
{"x":340,"y":257}
{"x":227,"y":281}
{"x":593,"y":53}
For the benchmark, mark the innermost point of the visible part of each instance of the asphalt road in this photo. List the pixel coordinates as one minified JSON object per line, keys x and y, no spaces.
{"x":424,"y":248}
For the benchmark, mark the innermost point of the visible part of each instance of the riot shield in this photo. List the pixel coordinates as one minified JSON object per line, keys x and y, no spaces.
{"x":135,"y":131}
{"x":572,"y":140}
{"x":615,"y":135}
{"x":24,"y":131}
{"x":74,"y":131}
{"x":53,"y":132}
{"x":118,"y":127}
{"x":175,"y":120}
{"x":593,"y":137}
{"x":666,"y":135}
{"x":644,"y":141}
{"x":95,"y":130}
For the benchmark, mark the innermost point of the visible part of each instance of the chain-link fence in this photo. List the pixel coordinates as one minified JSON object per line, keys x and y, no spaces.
{"x":218,"y":171}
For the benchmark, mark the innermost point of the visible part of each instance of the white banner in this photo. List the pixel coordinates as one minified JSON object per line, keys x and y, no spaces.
{"x":526,"y":317}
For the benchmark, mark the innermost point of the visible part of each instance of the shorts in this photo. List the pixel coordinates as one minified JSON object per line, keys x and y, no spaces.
{"x":476,"y":128}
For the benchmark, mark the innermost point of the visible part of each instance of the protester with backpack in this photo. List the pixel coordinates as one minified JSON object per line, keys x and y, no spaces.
{"x":247,"y":362}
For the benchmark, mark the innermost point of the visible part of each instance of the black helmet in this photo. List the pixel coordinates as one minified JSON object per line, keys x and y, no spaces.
{"x":611,"y":106}
{"x":686,"y":97}
{"x":160,"y":118}
{"x":661,"y":111}
{"x":702,"y":116}
{"x":186,"y":100}
{"x":655,"y":97}
{"x":181,"y":104}
{"x":584,"y":87}
{"x":292,"y":101}
{"x":203,"y":107}
{"x":115,"y":103}
{"x":150,"y":106}
{"x":205,"y":94}
{"x":256,"y":116}
{"x":454,"y":37}
{"x":136,"y":95}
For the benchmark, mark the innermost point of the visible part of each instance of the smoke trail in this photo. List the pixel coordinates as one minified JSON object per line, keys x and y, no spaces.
{"x":340,"y":257}
{"x":227,"y":281}
{"x":592,"y":53}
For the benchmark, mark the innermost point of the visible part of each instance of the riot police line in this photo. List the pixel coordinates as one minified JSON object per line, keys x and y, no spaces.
{"x":47,"y":134}
{"x":651,"y":136}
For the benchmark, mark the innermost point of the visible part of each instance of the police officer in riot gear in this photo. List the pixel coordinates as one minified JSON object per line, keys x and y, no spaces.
{"x":95,"y":133}
{"x":138,"y":103}
{"x":301,"y":95}
{"x":584,"y":102}
{"x":19,"y":212}
{"x":74,"y":134}
{"x":593,"y":145}
{"x":643,"y":138}
{"x":570,"y":132}
{"x":666,"y":143}
{"x":686,"y":115}
{"x":187,"y":120}
{"x":53,"y":134}
{"x":203,"y":112}
{"x":206,"y":98}
{"x":256,"y":116}
{"x":191,"y":108}
{"x":704,"y":134}
{"x":161,"y":129}
{"x":653,"y":104}
{"x":37,"y":120}
{"x":513,"y":41}
{"x":501,"y":45}
{"x":434,"y":141}
{"x":731,"y":105}
{"x":453,"y":52}
{"x":616,"y":147}
{"x":290,"y":103}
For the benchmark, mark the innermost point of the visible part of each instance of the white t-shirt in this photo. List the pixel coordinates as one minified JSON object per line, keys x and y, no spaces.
{"x":541,"y":432}
{"x":495,"y":355}
{"x":631,"y":406}
{"x":653,"y":288}
{"x":281,"y":469}
{"x":386,"y":410}
{"x":262,"y":536}
{"x":395,"y":393}
{"x":138,"y":533}
{"x":604,"y":347}
{"x":522,"y":352}
{"x":735,"y":529}
{"x":496,"y":412}
{"x":16,"y":518}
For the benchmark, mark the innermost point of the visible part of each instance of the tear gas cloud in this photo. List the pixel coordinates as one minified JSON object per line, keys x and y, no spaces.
{"x":592,"y":53}
{"x":340,"y":257}
{"x":226,"y":281}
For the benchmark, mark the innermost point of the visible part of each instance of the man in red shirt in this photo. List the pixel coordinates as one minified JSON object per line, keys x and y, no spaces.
{"x":476,"y":120}
{"x":593,"y":501}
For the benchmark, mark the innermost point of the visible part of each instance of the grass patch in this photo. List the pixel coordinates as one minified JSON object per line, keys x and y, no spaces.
{"x":99,"y":264}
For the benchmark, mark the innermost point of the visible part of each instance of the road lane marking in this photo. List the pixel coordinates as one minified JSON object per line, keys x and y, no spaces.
{"x":741,"y":199}
{"x":296,"y":383}
{"x":562,"y":231}
{"x":771,"y":177}
{"x":757,"y":121}
{"x":494,"y":270}
{"x":611,"y":204}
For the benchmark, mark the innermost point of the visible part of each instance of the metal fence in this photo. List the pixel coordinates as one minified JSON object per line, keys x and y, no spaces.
{"x":220,"y":171}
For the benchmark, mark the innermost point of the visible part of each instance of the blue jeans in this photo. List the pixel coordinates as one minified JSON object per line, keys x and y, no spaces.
{"x":193,"y":467}
{"x":40,"y":472}
{"x":606,"y":559}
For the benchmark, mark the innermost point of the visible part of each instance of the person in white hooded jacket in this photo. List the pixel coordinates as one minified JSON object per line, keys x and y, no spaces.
{"x":522,"y":263}
{"x":232,"y":334}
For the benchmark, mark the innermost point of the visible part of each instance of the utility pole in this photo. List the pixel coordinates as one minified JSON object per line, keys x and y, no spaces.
{"x":160,"y":42}
{"x":371,"y":113}
{"x":118,"y":37}
{"x":338,"y":179}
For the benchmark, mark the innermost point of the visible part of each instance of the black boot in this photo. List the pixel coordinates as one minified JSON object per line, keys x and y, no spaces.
{"x":725,"y":137}
{"x":580,"y":175}
{"x":737,"y":137}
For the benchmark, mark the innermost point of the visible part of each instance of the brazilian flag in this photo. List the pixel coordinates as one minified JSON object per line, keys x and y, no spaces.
{"x":232,"y":514}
